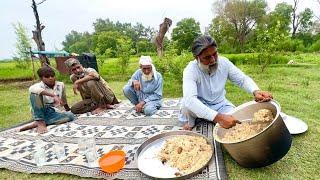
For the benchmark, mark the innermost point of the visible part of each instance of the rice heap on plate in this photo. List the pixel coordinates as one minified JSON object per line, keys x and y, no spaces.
{"x":187,"y":153}
{"x":261,"y":119}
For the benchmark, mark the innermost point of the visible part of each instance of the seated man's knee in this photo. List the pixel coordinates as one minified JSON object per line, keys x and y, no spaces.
{"x":185,"y":111}
{"x":73,"y":110}
{"x":77,"y":110}
{"x":36,"y":100}
{"x":150,"y":110}
{"x":187,"y":115}
{"x":70,"y":116}
{"x":127,"y":89}
{"x":91,"y":83}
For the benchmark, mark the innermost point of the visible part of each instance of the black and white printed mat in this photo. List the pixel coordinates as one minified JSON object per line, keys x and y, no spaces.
{"x":119,"y":128}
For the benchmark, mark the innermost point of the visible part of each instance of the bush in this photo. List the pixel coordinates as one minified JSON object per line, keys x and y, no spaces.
{"x":162,"y":64}
{"x":178,"y":64}
{"x":255,"y":59}
{"x":291,"y":45}
{"x":173,"y":64}
{"x":315,"y":47}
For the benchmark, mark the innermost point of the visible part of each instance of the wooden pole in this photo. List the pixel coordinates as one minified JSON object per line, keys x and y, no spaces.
{"x":33,"y":70}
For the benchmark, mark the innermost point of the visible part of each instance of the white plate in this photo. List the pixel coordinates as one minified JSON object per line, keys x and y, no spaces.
{"x":149,"y":164}
{"x":294,"y":125}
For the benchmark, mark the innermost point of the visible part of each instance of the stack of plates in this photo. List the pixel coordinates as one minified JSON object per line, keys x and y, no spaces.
{"x":294,"y":125}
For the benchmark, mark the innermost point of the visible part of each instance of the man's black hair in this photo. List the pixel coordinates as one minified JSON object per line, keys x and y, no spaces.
{"x":201,"y":43}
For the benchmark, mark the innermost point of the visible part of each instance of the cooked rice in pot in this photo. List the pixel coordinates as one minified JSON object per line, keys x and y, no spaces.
{"x":261,"y":120}
{"x":187,"y":153}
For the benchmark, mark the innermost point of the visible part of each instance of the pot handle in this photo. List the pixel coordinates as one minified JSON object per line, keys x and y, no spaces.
{"x":276,"y":102}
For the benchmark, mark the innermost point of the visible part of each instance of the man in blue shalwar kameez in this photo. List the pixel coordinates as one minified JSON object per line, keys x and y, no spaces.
{"x":144,"y":89}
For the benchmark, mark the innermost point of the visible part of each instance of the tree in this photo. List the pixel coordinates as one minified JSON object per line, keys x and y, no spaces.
{"x":107,"y":41}
{"x":163,"y":28}
{"x":123,"y":52}
{"x":135,"y":33}
{"x":302,"y":19}
{"x":241,"y":15}
{"x":281,"y":16}
{"x":104,"y":25}
{"x":185,"y":32}
{"x":268,"y":39}
{"x":144,"y":45}
{"x":23,"y":45}
{"x":37,"y":36}
{"x":223,"y":32}
{"x":78,"y":42}
{"x":306,"y":20}
{"x":318,"y":17}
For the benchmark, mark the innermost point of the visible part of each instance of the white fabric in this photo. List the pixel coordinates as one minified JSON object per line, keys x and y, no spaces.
{"x":146,"y":60}
{"x":40,"y":87}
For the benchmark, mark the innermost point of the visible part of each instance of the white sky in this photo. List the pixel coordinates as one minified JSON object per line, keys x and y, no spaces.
{"x":62,"y":16}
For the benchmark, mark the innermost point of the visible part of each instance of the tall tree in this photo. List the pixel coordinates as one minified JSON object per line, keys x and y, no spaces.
{"x":185,"y":32}
{"x":23,"y":45}
{"x":224,"y":33}
{"x":78,"y":42}
{"x":302,"y":20}
{"x":242,"y":15}
{"x":107,"y":43}
{"x":135,"y":32}
{"x":318,"y":16}
{"x":281,"y":16}
{"x":37,"y":36}
{"x":163,"y":28}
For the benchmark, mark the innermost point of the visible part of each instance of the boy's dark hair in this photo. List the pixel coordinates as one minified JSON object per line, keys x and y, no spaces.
{"x":45,"y":71}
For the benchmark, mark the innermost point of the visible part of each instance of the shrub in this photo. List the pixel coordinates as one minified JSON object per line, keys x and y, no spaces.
{"x":178,"y":64}
{"x":291,"y":45}
{"x":255,"y":58}
{"x":315,"y":47}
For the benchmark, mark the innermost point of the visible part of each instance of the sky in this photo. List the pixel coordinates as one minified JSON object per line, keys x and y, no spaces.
{"x":62,"y":16}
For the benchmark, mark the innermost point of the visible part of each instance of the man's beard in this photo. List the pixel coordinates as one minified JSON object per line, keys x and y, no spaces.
{"x":208,"y":68}
{"x":80,"y":75}
{"x":146,"y":77}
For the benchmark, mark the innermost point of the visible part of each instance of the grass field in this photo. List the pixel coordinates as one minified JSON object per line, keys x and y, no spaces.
{"x":295,"y":87}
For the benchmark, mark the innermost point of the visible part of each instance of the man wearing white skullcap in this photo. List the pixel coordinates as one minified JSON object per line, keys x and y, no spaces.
{"x":144,"y":89}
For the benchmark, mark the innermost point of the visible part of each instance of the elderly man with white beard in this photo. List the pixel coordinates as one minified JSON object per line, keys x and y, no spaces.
{"x":144,"y":89}
{"x":204,"y":81}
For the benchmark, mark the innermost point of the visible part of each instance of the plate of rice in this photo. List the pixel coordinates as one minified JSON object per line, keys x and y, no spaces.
{"x":175,"y":154}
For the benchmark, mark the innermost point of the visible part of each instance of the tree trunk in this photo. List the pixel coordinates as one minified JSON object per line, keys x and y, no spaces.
{"x":37,"y":37}
{"x":159,"y":39}
{"x":295,"y":18}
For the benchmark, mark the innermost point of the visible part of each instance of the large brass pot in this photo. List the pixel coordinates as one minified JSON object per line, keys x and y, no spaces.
{"x":264,"y":148}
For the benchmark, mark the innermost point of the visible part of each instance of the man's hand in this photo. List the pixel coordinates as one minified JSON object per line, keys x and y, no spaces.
{"x":75,"y":87}
{"x":136,"y":85}
{"x":139,"y":106}
{"x":226,"y":121}
{"x":58,"y":100}
{"x":262,"y":96}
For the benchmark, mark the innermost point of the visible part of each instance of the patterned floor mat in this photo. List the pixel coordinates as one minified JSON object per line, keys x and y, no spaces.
{"x":120,"y":128}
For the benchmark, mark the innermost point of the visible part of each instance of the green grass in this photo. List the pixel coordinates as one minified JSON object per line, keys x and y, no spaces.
{"x":295,"y":87}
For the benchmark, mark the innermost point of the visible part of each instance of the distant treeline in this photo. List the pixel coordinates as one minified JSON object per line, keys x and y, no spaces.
{"x":238,"y":27}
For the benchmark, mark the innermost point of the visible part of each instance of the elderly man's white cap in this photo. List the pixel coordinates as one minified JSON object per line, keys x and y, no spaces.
{"x":145,"y":60}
